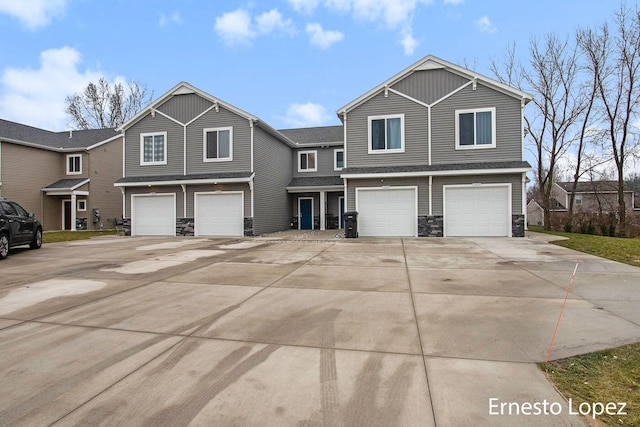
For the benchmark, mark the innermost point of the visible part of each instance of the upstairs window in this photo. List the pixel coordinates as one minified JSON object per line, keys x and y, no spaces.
{"x":578,"y":199}
{"x":153,"y":148}
{"x":386,"y":134}
{"x":338,"y":159}
{"x":218,"y":144}
{"x":307,"y":161}
{"x":74,"y":164}
{"x":475,"y":128}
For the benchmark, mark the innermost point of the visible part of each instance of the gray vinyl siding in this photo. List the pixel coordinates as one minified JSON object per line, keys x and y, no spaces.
{"x":514,"y":179}
{"x":421,"y":182}
{"x":273,"y":161}
{"x":240,"y":186}
{"x":429,"y":86}
{"x":177,"y":190}
{"x":241,"y":143}
{"x":324,"y":161}
{"x":175,"y":147}
{"x":185,"y":108}
{"x":415,"y":132}
{"x":508,"y":127}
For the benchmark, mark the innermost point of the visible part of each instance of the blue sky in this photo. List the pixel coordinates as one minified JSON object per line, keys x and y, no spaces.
{"x":292,"y":63}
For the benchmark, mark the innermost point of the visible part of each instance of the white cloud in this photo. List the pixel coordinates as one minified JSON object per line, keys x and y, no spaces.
{"x":37,"y":96}
{"x":174,"y":18}
{"x":409,"y":43}
{"x":305,"y":115}
{"x":34,"y":14}
{"x":272,"y":21}
{"x":322,"y":38}
{"x":484,"y":24}
{"x":304,"y":6}
{"x":453,"y":1}
{"x":238,"y":27}
{"x":235,"y":27}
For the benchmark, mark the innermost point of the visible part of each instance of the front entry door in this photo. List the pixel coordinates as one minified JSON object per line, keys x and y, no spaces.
{"x":67,"y":214}
{"x":341,"y":212}
{"x":306,"y":214}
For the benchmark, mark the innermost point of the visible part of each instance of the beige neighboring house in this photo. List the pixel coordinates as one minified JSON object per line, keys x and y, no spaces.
{"x":64,"y":178}
{"x":590,"y":197}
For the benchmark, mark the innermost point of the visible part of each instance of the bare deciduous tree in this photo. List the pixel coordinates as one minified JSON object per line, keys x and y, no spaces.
{"x":102,"y":105}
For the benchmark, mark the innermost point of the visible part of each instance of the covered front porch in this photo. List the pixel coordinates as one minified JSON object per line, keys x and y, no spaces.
{"x":65,"y":204}
{"x":317,"y":203}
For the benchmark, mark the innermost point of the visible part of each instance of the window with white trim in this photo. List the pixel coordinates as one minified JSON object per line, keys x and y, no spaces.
{"x":82,"y":205}
{"x":386,"y":134}
{"x":476,"y":128}
{"x":307,"y":161}
{"x":218,"y":144}
{"x":578,"y":199}
{"x":74,"y":164}
{"x":338,"y":159}
{"x":153,"y":148}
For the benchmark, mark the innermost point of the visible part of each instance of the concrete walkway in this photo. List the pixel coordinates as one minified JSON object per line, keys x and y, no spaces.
{"x":281,"y":330}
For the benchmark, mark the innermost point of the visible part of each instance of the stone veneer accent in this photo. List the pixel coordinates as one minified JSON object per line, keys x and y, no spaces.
{"x":248,"y":226}
{"x":430,"y":226}
{"x":517,"y":225}
{"x":185,"y":227}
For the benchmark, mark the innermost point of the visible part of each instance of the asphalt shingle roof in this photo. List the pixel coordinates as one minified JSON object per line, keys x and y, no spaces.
{"x":66,"y":183}
{"x":438,"y":168}
{"x":168,"y":178}
{"x":315,"y":181}
{"x":315,"y":135}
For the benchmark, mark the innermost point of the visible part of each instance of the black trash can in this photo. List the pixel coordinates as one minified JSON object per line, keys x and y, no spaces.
{"x":351,"y":225}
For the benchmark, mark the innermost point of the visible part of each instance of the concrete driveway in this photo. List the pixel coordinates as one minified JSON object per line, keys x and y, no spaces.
{"x":275,"y":331}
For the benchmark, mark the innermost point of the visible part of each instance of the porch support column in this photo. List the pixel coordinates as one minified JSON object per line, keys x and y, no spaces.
{"x":323,"y":202}
{"x":73,"y":212}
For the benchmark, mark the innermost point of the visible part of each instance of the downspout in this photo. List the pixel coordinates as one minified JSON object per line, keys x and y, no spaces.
{"x":429,"y":144}
{"x":524,"y":199}
{"x":344,"y":158}
{"x":184,"y":153}
{"x":251,"y":127}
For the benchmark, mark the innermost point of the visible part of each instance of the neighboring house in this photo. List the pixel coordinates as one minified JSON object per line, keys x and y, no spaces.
{"x":196,"y":165}
{"x":436,"y":150}
{"x":590,"y":197}
{"x":62,"y":177}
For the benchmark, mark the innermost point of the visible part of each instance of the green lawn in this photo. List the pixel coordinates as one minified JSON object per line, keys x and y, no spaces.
{"x":64,"y":236}
{"x":614,"y":248}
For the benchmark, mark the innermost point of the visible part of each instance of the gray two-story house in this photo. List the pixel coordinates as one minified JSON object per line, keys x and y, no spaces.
{"x":436,"y":150}
{"x":196,"y":165}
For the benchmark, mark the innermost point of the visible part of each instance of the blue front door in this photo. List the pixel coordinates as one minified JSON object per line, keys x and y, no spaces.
{"x":341,"y":212}
{"x":306,"y":214}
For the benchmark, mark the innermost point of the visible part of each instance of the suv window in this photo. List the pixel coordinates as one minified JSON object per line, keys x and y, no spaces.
{"x":19,"y":211}
{"x":8,"y":209}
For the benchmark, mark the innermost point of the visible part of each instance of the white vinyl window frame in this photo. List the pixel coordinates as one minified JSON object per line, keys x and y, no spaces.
{"x":204,"y":144}
{"x":578,"y":199}
{"x":476,"y":146}
{"x":305,"y":163}
{"x":370,"y":121}
{"x":73,"y":167}
{"x":82,"y":205}
{"x":164,"y":156}
{"x":335,"y":159}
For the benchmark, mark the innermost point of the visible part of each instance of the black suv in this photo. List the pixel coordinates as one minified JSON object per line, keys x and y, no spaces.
{"x":17,"y":227}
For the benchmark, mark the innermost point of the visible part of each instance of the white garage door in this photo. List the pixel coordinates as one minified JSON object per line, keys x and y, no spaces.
{"x":477,"y":211}
{"x":386,"y":211}
{"x":219,"y":214}
{"x":153,"y":215}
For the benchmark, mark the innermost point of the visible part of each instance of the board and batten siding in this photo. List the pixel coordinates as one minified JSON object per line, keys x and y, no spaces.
{"x":160,"y":190}
{"x":241,"y":143}
{"x":429,"y":86}
{"x":211,"y":188}
{"x":421,"y":182}
{"x":514,"y":179}
{"x":272,"y":203}
{"x":175,"y":147}
{"x":508,"y":127}
{"x":185,"y":108}
{"x":415,"y":132}
{"x":324,"y":159}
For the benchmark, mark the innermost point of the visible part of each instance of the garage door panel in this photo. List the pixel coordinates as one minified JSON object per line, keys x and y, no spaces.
{"x":219,"y":214}
{"x":386,"y":212}
{"x":153,"y":215}
{"x":477,"y":211}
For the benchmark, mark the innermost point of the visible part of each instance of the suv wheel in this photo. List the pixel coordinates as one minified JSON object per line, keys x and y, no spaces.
{"x":4,"y":246}
{"x":36,"y":243}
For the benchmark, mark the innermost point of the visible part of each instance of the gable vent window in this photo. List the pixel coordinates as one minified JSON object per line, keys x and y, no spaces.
{"x":74,"y":164}
{"x":475,"y":128}
{"x":386,"y":134}
{"x":218,"y":144}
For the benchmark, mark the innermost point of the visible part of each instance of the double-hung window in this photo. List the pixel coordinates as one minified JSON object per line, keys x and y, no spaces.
{"x":218,"y":144}
{"x":153,"y":148}
{"x":386,"y":134}
{"x":338,"y":159}
{"x":74,"y":164}
{"x":475,"y":128}
{"x":307,"y":161}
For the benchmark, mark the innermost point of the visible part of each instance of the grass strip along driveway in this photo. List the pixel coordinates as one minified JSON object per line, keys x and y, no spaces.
{"x":605,"y":376}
